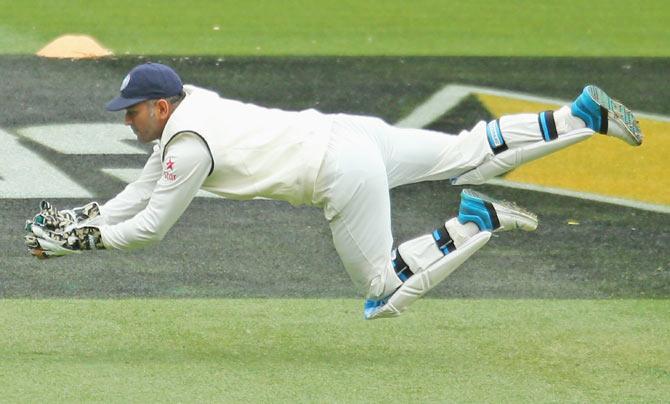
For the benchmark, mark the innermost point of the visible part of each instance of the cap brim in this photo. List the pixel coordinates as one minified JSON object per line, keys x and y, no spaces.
{"x":119,"y":103}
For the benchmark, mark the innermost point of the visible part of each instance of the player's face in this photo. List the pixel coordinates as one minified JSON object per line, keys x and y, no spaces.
{"x":143,"y":121}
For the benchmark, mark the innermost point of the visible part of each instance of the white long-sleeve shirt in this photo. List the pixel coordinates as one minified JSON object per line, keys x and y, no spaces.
{"x":236,"y":150}
{"x":145,"y":211}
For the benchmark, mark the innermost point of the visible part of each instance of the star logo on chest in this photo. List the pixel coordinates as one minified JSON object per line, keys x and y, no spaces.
{"x":169,"y":164}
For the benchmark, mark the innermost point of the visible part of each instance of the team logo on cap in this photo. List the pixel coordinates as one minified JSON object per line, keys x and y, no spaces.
{"x":125,"y":82}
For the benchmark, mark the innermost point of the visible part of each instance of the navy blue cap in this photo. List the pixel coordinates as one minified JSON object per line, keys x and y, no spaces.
{"x":148,"y":81}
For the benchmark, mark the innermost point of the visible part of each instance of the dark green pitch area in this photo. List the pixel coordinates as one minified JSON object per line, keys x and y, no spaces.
{"x":269,"y":249}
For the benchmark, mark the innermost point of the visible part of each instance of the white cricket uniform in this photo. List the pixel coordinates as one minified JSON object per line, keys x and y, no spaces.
{"x":345,"y":164}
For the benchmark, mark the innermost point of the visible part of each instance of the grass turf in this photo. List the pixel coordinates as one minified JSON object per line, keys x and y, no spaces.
{"x":307,"y":350}
{"x":345,"y":27}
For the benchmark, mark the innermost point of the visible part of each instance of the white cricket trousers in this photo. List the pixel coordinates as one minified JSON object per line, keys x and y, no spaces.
{"x":366,"y":157}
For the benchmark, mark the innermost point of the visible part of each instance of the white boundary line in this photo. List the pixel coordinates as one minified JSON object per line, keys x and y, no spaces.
{"x":581,"y":195}
{"x":437,"y":105}
{"x":452,"y":94}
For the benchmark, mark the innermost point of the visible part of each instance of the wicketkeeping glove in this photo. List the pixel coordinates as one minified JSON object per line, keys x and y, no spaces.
{"x":44,"y":243}
{"x":55,"y":233}
{"x":51,"y":218}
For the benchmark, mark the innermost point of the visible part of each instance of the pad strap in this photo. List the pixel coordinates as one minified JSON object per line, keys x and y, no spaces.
{"x":443,"y":240}
{"x":400,"y":266}
{"x":495,"y":137}
{"x":604,"y":122}
{"x":547,"y":125}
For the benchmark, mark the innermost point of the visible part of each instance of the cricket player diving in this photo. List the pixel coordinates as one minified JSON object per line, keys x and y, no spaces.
{"x":344,"y":164}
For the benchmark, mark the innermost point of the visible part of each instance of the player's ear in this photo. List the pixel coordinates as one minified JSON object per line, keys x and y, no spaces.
{"x":163,"y":108}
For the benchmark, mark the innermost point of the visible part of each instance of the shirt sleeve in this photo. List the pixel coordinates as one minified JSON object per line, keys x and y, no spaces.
{"x":185,"y":167}
{"x":136,"y":195}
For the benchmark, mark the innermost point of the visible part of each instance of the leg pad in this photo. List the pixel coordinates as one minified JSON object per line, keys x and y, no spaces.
{"x":420,"y":283}
{"x":512,"y":158}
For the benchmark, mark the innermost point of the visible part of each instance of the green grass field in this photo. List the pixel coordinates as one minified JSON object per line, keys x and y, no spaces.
{"x":345,"y":27}
{"x":566,"y":314}
{"x":308,"y":350}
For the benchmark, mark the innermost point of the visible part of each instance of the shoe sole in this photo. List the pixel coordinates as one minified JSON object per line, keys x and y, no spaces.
{"x":618,"y":112}
{"x":511,"y":207}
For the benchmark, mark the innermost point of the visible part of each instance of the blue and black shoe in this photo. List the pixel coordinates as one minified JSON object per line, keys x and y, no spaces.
{"x":492,"y":214}
{"x":605,"y":115}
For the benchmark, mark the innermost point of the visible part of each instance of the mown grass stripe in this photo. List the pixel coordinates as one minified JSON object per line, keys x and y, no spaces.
{"x":306,"y":350}
{"x":346,"y":27}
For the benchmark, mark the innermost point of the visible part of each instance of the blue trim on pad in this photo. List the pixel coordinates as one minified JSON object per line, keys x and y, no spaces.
{"x":494,"y":135}
{"x":474,"y":210}
{"x":588,"y":110}
{"x":370,"y":306}
{"x":545,"y":128}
